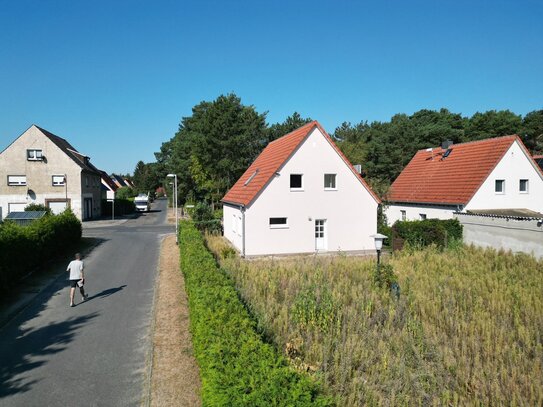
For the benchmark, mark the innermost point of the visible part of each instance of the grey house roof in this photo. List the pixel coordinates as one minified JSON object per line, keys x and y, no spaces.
{"x":70,"y":151}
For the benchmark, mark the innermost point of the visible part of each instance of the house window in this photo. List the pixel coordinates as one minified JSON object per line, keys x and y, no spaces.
{"x":278,"y":223}
{"x":523,"y":186}
{"x":34,"y":155}
{"x":329,"y":181}
{"x":404,"y":215}
{"x":16,"y":180}
{"x":58,"y":180}
{"x":296,"y":182}
{"x":500,"y":186}
{"x":87,"y":181}
{"x":422,"y":216}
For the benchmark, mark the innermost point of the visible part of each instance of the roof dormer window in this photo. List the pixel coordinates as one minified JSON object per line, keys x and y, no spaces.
{"x":34,"y":155}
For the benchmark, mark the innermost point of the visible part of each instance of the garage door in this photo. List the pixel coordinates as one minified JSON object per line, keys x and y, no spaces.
{"x":57,"y":207}
{"x":16,"y":207}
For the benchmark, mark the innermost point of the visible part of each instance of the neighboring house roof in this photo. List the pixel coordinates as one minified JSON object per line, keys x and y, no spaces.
{"x":272,"y":159}
{"x":430,"y":177}
{"x":80,"y":159}
{"x":119,"y":181}
{"x":107,"y":180}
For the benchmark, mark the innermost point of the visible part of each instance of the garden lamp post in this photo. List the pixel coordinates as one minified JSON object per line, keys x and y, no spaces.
{"x":174,"y":176}
{"x":378,"y":238}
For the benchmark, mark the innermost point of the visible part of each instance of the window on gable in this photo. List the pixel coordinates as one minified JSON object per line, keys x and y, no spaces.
{"x":330,"y":181}
{"x":278,"y":223}
{"x":422,"y":216}
{"x":34,"y":155}
{"x":296,"y":181}
{"x":58,"y":180}
{"x":404,"y":215}
{"x":499,"y":187}
{"x":523,"y":186}
{"x":16,"y":180}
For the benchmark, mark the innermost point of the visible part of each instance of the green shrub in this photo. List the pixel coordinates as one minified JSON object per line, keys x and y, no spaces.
{"x":204,"y":218}
{"x":122,"y":207}
{"x":24,"y":248}
{"x":38,"y":207}
{"x":236,"y":366}
{"x":421,"y":233}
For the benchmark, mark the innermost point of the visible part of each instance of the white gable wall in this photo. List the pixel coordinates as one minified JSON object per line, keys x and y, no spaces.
{"x":233,"y":225}
{"x":513,"y":167}
{"x":350,"y":211}
{"x":393,"y":212}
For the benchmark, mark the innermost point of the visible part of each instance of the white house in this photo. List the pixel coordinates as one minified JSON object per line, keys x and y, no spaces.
{"x":40,"y":167}
{"x":485,"y":175}
{"x":301,"y":195}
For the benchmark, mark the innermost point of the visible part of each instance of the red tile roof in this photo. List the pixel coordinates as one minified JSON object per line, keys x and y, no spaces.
{"x":272,"y":159}
{"x":430,"y":178}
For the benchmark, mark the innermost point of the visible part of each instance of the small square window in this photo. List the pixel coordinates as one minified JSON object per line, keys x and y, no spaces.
{"x":523,"y":186}
{"x":500,"y":186}
{"x":34,"y":155}
{"x":422,"y":216}
{"x":404,"y":215}
{"x":296,"y":181}
{"x":330,"y":181}
{"x":58,"y":180}
{"x":278,"y":223}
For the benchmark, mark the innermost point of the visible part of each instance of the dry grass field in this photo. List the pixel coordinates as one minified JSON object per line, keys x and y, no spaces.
{"x":466,"y":330}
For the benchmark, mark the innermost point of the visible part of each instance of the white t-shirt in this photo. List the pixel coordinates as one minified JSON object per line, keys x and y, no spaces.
{"x":75,"y":267}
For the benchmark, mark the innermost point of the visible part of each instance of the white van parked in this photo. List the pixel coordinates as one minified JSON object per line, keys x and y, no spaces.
{"x":142,"y":203}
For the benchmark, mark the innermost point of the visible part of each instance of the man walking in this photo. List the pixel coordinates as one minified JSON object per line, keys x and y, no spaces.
{"x":77,"y":278}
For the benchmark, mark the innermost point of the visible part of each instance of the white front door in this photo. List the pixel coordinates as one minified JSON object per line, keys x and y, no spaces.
{"x":320,"y":234}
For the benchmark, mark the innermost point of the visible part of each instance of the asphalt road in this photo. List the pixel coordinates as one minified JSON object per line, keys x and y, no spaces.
{"x":95,"y":353}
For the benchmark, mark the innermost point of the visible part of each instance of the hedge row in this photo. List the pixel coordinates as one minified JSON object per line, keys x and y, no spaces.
{"x":429,"y":231}
{"x":122,"y":207}
{"x":24,"y":248}
{"x":237,"y":368}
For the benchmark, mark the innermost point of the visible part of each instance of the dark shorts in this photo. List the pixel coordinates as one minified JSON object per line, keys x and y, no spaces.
{"x":73,"y":283}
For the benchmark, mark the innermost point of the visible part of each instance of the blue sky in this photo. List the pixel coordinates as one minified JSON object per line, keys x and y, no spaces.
{"x":115,"y":77}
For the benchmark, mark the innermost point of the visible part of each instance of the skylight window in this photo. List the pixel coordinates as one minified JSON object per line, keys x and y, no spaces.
{"x":250,"y":178}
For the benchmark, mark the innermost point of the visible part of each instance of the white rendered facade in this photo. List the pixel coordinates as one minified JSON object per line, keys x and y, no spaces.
{"x":511,"y":169}
{"x":318,"y":219}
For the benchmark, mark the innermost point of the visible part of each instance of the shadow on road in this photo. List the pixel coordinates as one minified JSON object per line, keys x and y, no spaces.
{"x":31,"y":346}
{"x":107,"y":293}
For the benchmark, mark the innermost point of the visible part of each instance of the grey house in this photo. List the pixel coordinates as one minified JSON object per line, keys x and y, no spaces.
{"x":40,"y":167}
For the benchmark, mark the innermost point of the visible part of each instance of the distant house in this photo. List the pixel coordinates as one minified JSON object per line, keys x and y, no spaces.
{"x":300,"y":195}
{"x":485,"y":175}
{"x":40,"y":167}
{"x":107,"y":185}
{"x":118,"y":180}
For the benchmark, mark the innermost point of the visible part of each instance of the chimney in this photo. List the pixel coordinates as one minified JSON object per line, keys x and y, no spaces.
{"x":358,"y":168}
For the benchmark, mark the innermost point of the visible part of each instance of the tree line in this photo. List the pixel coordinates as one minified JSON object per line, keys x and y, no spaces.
{"x":215,"y":145}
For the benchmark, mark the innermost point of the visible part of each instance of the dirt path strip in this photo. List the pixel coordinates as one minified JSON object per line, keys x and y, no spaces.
{"x":175,"y":377}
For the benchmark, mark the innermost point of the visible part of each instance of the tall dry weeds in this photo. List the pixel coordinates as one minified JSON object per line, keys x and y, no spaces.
{"x":467,"y":328}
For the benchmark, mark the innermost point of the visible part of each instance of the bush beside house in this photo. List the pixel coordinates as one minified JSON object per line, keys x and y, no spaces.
{"x":24,"y":248}
{"x":420,"y":233}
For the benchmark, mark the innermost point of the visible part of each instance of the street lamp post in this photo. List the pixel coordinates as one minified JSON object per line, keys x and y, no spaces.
{"x":174,"y":176}
{"x":378,"y":238}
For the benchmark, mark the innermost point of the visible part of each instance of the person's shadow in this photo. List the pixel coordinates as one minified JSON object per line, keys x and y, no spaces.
{"x":107,"y":293}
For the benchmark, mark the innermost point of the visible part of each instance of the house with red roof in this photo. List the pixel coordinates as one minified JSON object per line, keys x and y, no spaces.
{"x":300,"y":195}
{"x":539,"y":160}
{"x":478,"y":176}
